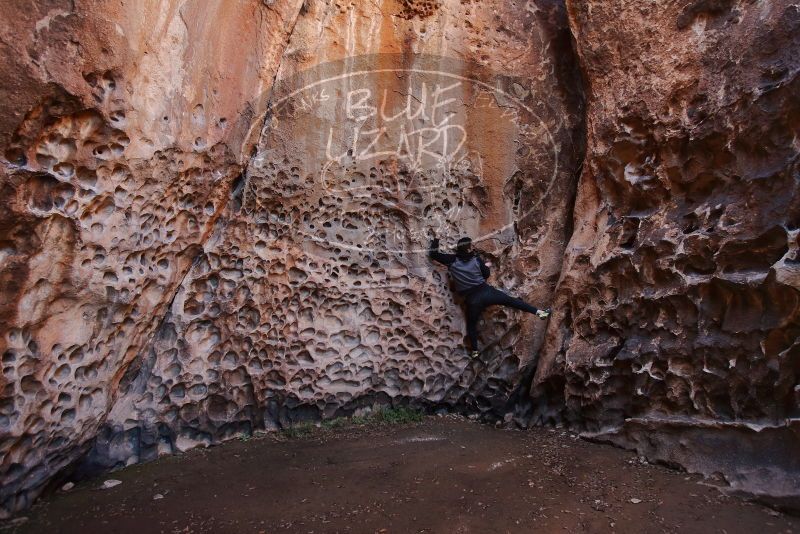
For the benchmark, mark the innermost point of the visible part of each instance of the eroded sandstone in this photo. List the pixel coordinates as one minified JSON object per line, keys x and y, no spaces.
{"x":215,"y":217}
{"x":314,"y":296}
{"x":677,"y":326}
{"x":183,"y":260}
{"x":119,"y":153}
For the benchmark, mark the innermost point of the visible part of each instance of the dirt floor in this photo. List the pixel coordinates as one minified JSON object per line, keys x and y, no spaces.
{"x":445,"y":474}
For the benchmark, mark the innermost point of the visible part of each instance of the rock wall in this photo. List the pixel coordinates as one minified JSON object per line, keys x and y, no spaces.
{"x":121,"y":129}
{"x":314,"y":296}
{"x":678,"y":308}
{"x":214,"y":220}
{"x":190,"y":251}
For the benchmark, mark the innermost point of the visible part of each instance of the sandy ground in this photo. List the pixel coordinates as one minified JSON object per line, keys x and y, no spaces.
{"x":442,"y":475}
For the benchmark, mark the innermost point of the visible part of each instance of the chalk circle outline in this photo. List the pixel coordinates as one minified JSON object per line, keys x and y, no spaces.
{"x":261,"y":125}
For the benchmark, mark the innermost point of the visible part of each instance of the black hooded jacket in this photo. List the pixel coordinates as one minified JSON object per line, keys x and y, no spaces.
{"x":467,"y":270}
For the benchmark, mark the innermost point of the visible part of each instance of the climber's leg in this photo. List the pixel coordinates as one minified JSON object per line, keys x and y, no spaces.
{"x":476,"y":302}
{"x":473,"y":316}
{"x":497,"y":297}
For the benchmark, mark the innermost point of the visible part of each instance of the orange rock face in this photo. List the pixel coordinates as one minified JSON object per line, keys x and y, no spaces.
{"x":122,"y":126}
{"x":215,"y":218}
{"x":676,"y":328}
{"x":215,"y":215}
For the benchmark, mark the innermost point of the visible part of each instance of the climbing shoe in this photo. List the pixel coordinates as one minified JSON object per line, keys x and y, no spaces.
{"x":474,"y":354}
{"x":543,"y":314}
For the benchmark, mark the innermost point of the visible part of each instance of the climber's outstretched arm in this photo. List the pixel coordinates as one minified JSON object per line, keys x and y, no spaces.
{"x":441,"y":257}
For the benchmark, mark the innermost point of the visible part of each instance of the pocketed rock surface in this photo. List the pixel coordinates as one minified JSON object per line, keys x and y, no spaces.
{"x":678,"y":311}
{"x":192,"y":251}
{"x":214,"y":220}
{"x":441,"y":476}
{"x":120,"y":134}
{"x":314,"y":294}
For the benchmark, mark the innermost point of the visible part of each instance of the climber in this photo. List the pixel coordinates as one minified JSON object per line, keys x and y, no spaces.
{"x":469,"y":274}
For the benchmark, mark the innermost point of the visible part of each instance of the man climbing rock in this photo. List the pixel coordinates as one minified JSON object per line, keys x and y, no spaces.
{"x":469,"y":273}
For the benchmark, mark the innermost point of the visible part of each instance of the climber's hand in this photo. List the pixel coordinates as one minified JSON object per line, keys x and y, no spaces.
{"x":434,"y":243}
{"x":543,"y":314}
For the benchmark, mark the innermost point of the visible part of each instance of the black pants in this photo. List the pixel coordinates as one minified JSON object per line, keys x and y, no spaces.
{"x":482,"y":297}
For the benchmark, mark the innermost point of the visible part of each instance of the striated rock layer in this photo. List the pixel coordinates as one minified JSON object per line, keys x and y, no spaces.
{"x":187,"y":254}
{"x":678,"y":308}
